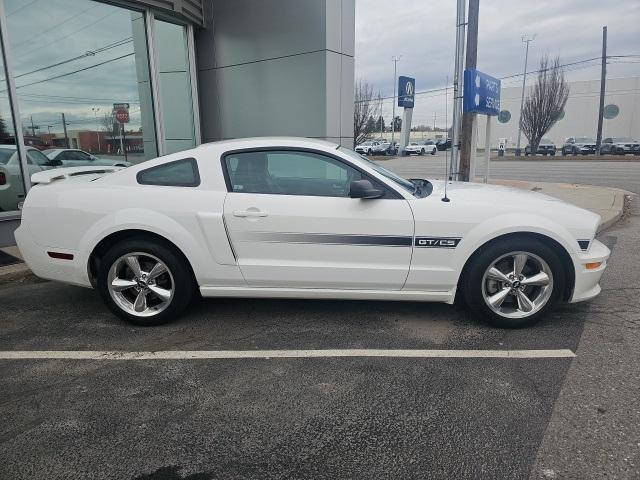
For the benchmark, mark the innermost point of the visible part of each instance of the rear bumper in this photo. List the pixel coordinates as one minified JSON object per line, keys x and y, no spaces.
{"x":587,"y":284}
{"x":42,"y":265}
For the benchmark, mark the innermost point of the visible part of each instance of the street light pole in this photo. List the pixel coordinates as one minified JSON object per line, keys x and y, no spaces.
{"x":395,"y":61}
{"x":526,"y":40}
{"x":95,"y":114}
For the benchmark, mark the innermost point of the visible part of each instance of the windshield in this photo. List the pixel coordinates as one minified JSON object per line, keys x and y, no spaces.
{"x":546,"y":141}
{"x":405,"y":184}
{"x":366,"y":143}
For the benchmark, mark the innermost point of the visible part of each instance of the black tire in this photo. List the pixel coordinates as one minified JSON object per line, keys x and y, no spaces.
{"x":472,"y":281}
{"x":433,"y":151}
{"x":183,"y":281}
{"x":421,"y":152}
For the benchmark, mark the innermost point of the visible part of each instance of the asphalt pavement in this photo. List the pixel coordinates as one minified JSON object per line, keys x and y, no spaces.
{"x":462,"y":418}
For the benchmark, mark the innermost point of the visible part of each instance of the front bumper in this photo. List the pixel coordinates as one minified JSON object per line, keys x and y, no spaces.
{"x":587,"y":284}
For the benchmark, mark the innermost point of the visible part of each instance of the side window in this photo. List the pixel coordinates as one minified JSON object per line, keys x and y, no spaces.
{"x":180,"y":173}
{"x":35,"y":156}
{"x":284,"y":172}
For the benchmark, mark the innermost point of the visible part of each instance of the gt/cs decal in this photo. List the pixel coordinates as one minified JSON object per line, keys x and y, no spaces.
{"x":437,"y":242}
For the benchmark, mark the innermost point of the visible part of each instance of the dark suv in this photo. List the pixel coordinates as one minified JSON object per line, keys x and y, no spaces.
{"x":579,"y":145}
{"x":546,"y":147}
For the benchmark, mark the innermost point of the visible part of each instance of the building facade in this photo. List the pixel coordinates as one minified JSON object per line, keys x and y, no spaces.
{"x":580,"y":119}
{"x":144,"y":78}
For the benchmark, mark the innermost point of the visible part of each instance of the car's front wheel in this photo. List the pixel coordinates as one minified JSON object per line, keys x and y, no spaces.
{"x":513,"y":283}
{"x":145,"y":282}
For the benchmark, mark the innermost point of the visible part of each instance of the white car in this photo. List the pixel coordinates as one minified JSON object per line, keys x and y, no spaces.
{"x":11,"y":185}
{"x":366,"y":148}
{"x":302,"y":218}
{"x":71,"y":157}
{"x":420,"y":149}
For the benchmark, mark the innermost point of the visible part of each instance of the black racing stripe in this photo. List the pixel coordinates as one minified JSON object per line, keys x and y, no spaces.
{"x":330,"y":239}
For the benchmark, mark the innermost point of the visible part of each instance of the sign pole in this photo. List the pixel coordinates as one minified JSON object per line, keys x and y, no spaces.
{"x":487,"y":149}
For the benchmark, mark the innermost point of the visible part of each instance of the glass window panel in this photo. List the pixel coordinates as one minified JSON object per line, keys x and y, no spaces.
{"x":290,"y":173}
{"x":78,"y":58}
{"x":11,"y":183}
{"x":175,"y":86}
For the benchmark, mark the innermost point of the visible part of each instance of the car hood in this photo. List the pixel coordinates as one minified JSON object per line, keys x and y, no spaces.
{"x":477,"y":202}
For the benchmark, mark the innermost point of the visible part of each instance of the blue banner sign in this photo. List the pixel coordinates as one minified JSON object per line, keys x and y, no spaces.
{"x":406,"y":91}
{"x":481,"y":93}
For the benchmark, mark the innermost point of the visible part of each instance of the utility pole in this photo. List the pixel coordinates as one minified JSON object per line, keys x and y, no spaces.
{"x":33,"y":127}
{"x":468,"y":118}
{"x":603,"y":81}
{"x":95,"y":114}
{"x":457,"y":84}
{"x":434,"y":124}
{"x":395,"y":61}
{"x":66,"y":137}
{"x":526,"y":40}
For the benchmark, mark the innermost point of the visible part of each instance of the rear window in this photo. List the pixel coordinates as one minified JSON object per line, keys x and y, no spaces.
{"x":180,"y":173}
{"x":5,"y":155}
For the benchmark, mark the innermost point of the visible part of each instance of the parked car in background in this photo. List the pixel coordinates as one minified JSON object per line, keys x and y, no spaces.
{"x":429,"y":146}
{"x":443,"y":144}
{"x":366,"y":148}
{"x":11,"y":185}
{"x":546,"y":147}
{"x":420,"y":149}
{"x":579,"y":145}
{"x":76,"y":158}
{"x":382,"y":147}
{"x":620,"y":146}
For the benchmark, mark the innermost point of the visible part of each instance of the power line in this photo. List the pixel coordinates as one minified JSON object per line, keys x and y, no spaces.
{"x":75,"y":71}
{"x":54,"y":27}
{"x":88,"y":53}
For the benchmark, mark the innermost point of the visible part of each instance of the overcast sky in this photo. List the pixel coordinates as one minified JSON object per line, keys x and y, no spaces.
{"x":423,"y":32}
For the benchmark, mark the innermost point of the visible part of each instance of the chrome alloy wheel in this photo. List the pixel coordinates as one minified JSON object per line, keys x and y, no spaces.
{"x":141,"y":284}
{"x":517,"y":285}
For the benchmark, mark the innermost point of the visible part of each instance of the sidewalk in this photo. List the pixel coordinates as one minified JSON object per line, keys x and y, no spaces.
{"x":609,"y":203}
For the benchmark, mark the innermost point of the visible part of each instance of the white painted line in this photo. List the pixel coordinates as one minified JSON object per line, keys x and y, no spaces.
{"x":223,"y":354}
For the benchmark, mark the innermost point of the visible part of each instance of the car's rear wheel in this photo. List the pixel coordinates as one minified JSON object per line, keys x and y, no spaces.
{"x":145,"y":282}
{"x":433,"y":151}
{"x":513,"y":283}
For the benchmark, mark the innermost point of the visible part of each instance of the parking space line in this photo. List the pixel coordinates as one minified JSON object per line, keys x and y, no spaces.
{"x":267,"y":354}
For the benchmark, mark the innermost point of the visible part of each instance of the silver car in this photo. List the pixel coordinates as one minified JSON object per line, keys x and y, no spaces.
{"x":69,"y":157}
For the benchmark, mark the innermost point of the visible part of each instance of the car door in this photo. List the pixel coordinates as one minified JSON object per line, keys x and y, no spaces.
{"x":291,"y":223}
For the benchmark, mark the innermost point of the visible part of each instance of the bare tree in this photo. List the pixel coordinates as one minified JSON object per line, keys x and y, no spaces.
{"x":110,"y":126}
{"x":367,"y":104}
{"x":544,"y":105}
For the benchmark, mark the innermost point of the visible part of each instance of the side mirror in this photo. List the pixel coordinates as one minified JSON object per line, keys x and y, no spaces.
{"x":93,"y":157}
{"x":364,"y":189}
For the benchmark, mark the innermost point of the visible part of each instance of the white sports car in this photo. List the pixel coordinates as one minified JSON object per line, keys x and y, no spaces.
{"x":301,"y":218}
{"x":420,"y":148}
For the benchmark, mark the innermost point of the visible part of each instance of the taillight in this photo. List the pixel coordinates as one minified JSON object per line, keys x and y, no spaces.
{"x":3,"y":178}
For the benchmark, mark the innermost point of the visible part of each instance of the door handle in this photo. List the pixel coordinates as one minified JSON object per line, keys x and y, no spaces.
{"x":251,"y":213}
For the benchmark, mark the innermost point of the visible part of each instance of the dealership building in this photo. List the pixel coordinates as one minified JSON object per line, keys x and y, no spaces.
{"x":141,"y":78}
{"x":580,"y":116}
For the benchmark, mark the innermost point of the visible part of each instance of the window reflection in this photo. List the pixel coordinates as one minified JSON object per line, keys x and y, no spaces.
{"x":82,"y":81}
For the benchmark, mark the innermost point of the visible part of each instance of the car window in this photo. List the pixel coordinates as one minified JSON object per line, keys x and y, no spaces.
{"x":289,"y":172}
{"x":36,"y":156}
{"x":179,"y":173}
{"x":5,"y":155}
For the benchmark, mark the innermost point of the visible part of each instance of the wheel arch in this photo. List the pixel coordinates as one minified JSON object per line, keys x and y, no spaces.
{"x":103,"y":246}
{"x":556,"y":246}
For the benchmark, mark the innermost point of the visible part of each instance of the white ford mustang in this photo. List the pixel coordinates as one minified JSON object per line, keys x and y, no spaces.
{"x":300,"y":218}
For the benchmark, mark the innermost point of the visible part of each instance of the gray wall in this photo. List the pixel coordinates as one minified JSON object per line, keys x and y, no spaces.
{"x":277,"y":67}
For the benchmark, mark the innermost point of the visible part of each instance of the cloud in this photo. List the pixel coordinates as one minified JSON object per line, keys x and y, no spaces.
{"x":423,"y":32}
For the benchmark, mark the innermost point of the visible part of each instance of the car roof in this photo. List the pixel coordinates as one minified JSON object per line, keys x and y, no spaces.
{"x":250,"y":142}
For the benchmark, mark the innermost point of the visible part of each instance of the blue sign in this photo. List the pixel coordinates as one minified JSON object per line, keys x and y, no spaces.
{"x":406,"y":91}
{"x":481,"y":93}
